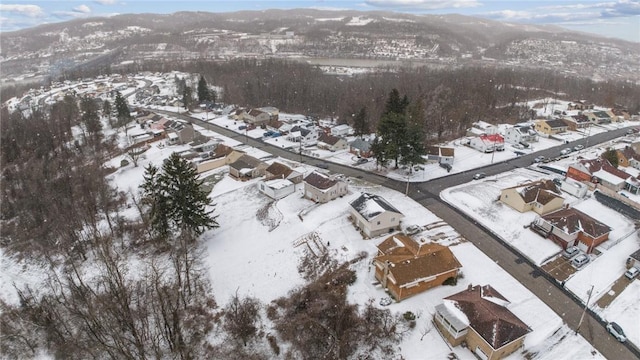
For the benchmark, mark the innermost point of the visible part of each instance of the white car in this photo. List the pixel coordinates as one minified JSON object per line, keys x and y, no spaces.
{"x":566,"y":151}
{"x":615,"y":330}
{"x":632,"y":273}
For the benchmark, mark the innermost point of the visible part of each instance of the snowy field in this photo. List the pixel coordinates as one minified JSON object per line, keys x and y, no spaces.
{"x":625,"y":310}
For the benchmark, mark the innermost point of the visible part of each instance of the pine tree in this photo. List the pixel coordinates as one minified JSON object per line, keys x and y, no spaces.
{"x":360,"y":122}
{"x":203,"y":90}
{"x":395,"y":104}
{"x":177,"y":201}
{"x":106,"y":110}
{"x":186,"y":97}
{"x":91,"y":119}
{"x":122,"y":110}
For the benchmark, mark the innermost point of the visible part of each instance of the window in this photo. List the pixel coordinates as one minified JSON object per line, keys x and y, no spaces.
{"x":378,"y":223}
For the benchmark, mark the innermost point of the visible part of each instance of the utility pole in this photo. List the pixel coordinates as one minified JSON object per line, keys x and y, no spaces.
{"x":586,"y":305}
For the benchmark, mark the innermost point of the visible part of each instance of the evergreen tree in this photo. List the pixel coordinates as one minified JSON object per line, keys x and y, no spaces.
{"x":395,"y":104}
{"x":106,"y":110}
{"x":203,"y":90}
{"x":360,"y":122}
{"x":412,"y":152}
{"x":122,"y":110}
{"x":177,"y":201}
{"x":186,"y":97}
{"x":379,"y":153}
{"x":90,"y":119}
{"x":611,"y":155}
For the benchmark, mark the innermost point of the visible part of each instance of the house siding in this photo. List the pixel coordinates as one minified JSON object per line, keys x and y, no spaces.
{"x":372,"y":228}
{"x":400,"y":293}
{"x":474,"y":340}
{"x":317,"y":195}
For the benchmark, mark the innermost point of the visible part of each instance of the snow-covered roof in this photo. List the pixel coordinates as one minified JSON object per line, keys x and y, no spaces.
{"x":370,"y":206}
{"x":278,"y":184}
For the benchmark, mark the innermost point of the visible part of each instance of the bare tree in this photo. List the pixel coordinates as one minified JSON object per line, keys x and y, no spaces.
{"x":241,"y":316}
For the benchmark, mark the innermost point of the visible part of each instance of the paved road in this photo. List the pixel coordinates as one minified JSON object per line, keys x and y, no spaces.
{"x":427,"y":193}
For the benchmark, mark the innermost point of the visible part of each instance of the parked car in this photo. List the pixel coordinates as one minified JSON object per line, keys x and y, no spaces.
{"x":242,"y":127}
{"x":580,"y":261}
{"x":362,"y":161}
{"x":446,"y":166}
{"x":617,"y":332}
{"x":578,"y":147}
{"x":570,"y":252}
{"x":630,"y":131}
{"x":322,"y":165}
{"x":479,"y":176}
{"x":539,"y":159}
{"x":566,"y":151}
{"x":412,"y":229}
{"x":518,"y":146}
{"x":632,"y":273}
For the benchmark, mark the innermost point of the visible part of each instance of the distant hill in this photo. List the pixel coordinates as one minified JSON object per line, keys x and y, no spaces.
{"x":451,"y":40}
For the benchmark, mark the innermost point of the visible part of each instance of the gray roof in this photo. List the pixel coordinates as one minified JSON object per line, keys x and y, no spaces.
{"x":370,"y":205}
{"x":361,"y":144}
{"x":635,"y":255}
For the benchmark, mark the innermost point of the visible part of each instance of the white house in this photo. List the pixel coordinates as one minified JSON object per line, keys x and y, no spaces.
{"x":520,"y":134}
{"x":487,"y":143}
{"x":324,"y":188}
{"x":305,"y":136}
{"x":574,"y":188}
{"x":373,"y":215}
{"x":341,"y":130}
{"x":276,"y":188}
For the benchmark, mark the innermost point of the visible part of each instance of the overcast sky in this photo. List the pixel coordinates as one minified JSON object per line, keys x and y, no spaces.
{"x":616,"y":18}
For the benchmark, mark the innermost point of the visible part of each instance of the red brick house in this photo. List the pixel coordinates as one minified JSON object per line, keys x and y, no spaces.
{"x":571,"y":227}
{"x":406,"y":267}
{"x":479,"y":317}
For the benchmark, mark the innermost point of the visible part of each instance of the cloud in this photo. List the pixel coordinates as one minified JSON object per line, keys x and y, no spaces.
{"x":106,"y":2}
{"x":423,"y":4}
{"x":570,"y":13}
{"x":23,"y":10}
{"x":82,"y":9}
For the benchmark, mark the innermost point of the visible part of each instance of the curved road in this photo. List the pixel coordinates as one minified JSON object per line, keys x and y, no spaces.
{"x":565,"y":304}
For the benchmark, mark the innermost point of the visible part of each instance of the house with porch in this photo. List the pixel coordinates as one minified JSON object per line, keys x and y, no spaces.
{"x":479,"y":317}
{"x":520,"y":134}
{"x":551,"y":127}
{"x":373,"y":215}
{"x":571,"y":227}
{"x":599,"y":171}
{"x":406,"y":267}
{"x":541,"y":196}
{"x":331,"y":143}
{"x":323,"y":188}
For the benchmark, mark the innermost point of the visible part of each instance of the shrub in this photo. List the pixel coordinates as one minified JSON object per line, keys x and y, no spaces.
{"x":409,"y":316}
{"x":450,"y":281}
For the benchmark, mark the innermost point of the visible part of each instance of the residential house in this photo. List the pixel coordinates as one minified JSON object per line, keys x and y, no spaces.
{"x":520,"y":134}
{"x":406,"y":267}
{"x":304,"y":135}
{"x":621,"y":113}
{"x":361,"y":148}
{"x":373,"y":215}
{"x":634,"y":260}
{"x":487,"y":143}
{"x":480,"y":318}
{"x":341,"y":130}
{"x":331,"y":143}
{"x":281,"y":171}
{"x":482,"y":128}
{"x":571,"y":227}
{"x":541,"y":196}
{"x":599,"y":171}
{"x":323,"y":188}
{"x":580,"y":105}
{"x":276,"y":188}
{"x":441,"y":155}
{"x":628,"y":157}
{"x":551,"y":127}
{"x":598,"y":117}
{"x":247,"y":167}
{"x":256,"y":117}
{"x":577,"y":122}
{"x":222,"y":155}
{"x":574,"y":187}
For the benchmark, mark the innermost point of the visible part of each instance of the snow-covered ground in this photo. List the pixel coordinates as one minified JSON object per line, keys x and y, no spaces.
{"x":625,"y":310}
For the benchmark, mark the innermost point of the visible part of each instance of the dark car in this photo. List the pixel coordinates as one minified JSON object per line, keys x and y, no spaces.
{"x":479,"y":176}
{"x":322,"y":165}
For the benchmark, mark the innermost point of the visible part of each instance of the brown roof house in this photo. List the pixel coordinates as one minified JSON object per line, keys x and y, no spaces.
{"x":323,"y":188}
{"x":220,"y":156}
{"x":542,"y":196}
{"x":373,"y":215}
{"x":405,"y":267}
{"x":281,"y":171}
{"x":628,"y":157}
{"x":247,"y":167}
{"x":331,"y":143}
{"x":571,"y":227}
{"x":441,"y":155}
{"x":479,"y":316}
